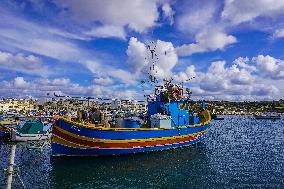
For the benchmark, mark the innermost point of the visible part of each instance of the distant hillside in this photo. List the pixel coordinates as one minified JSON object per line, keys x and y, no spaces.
{"x":247,"y":106}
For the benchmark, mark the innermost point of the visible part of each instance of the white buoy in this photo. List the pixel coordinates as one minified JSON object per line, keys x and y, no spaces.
{"x":11,"y":167}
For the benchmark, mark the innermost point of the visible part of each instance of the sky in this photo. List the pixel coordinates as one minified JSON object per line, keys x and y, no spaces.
{"x":232,"y":48}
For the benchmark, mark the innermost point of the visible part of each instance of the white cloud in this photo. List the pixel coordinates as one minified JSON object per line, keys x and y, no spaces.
{"x":101,"y":70}
{"x":217,"y":68}
{"x":136,"y":54}
{"x":239,"y":11}
{"x":168,"y":12}
{"x":29,"y":64}
{"x":137,"y":15}
{"x":19,"y":82}
{"x":279,"y":33}
{"x":243,"y":63}
{"x":266,"y":63}
{"x":231,"y":83}
{"x":103,"y":81}
{"x":196,"y":16}
{"x":228,"y":76}
{"x":67,"y":35}
{"x":57,"y":49}
{"x":60,"y":82}
{"x":240,"y":76}
{"x":209,"y":40}
{"x":214,"y":80}
{"x":257,"y":78}
{"x":270,"y":66}
{"x":189,"y":73}
{"x":107,"y":31}
{"x":167,"y":58}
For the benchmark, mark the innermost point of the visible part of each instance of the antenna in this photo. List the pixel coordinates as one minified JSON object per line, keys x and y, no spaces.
{"x":154,"y":57}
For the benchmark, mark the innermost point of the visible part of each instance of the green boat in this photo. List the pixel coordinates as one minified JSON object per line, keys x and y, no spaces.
{"x":30,"y":131}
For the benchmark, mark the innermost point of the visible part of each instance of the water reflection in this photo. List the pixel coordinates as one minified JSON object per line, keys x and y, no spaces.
{"x":156,"y":169}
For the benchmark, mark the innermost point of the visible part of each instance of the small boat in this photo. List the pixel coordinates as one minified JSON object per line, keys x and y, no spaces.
{"x":9,"y":122}
{"x":272,"y":116}
{"x":30,"y":131}
{"x":215,"y":116}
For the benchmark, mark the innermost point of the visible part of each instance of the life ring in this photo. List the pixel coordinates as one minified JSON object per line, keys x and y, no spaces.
{"x":204,"y":116}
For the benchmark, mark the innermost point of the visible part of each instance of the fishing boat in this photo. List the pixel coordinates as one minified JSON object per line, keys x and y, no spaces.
{"x":30,"y":131}
{"x":171,"y":121}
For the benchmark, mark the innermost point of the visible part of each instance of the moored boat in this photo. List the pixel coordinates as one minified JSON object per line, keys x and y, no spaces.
{"x":9,"y":122}
{"x":216,"y":117}
{"x":271,"y":115}
{"x":171,"y":122}
{"x":30,"y":131}
{"x":219,"y":118}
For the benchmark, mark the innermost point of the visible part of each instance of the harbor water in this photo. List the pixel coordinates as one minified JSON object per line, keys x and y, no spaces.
{"x":238,"y":152}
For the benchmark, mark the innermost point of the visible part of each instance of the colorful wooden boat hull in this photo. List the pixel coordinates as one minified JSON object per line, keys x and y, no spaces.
{"x":72,"y":139}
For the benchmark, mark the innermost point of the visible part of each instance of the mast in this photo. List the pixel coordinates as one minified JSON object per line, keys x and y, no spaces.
{"x":10,"y":170}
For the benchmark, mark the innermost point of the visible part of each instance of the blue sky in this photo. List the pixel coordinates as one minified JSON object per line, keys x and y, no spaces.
{"x":234,"y":48}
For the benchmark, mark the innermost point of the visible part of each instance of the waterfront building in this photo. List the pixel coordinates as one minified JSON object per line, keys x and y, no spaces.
{"x":17,"y":105}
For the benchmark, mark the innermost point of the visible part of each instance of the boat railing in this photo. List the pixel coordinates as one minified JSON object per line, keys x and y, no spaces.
{"x":127,"y":129}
